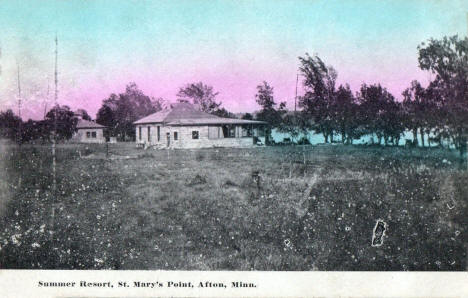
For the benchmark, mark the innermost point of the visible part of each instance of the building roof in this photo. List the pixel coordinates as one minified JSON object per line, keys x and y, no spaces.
{"x":88,"y":124}
{"x":212,"y":121}
{"x":186,"y":114}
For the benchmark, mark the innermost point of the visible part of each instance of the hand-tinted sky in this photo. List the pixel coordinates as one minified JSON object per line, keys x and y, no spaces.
{"x":231,"y":45}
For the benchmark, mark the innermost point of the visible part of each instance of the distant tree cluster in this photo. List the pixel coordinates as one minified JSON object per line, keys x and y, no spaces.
{"x":437,"y":113}
{"x":269,"y":113}
{"x":118,"y":112}
{"x":203,"y":96}
{"x":336,"y":111}
{"x":9,"y":125}
{"x":60,"y":119}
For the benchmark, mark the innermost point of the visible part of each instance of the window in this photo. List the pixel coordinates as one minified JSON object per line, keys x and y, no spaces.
{"x":149,"y":134}
{"x":213,"y":132}
{"x":93,"y":134}
{"x":159,"y":133}
{"x":88,"y":134}
{"x":176,"y":136}
{"x":194,"y":134}
{"x":139,"y":133}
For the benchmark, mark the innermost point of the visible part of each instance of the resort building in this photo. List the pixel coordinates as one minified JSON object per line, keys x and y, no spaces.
{"x":184,"y":126}
{"x":89,"y":132}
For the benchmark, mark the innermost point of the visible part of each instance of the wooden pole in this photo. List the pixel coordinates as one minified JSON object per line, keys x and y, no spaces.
{"x":295,"y":97}
{"x":54,"y":140}
{"x":20,"y":137}
{"x":46,"y":100}
{"x":466,"y":160}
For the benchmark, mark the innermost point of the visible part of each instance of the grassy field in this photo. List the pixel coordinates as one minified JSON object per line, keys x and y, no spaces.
{"x":272,"y":208}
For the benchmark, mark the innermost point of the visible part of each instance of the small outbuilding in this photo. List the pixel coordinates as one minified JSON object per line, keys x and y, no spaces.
{"x":89,"y":132}
{"x":185,"y":126}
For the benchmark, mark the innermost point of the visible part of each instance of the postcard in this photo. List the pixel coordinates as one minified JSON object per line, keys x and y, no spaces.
{"x":233,"y":148}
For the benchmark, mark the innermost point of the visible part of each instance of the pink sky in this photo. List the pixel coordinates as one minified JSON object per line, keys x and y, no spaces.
{"x":230,"y":45}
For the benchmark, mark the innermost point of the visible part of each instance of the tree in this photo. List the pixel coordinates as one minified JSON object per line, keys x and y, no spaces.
{"x":247,"y":116}
{"x":37,"y":130}
{"x":222,"y":112}
{"x":264,"y":96}
{"x":448,"y":59}
{"x":158,"y":103}
{"x":421,"y":110}
{"x":319,"y":99}
{"x":201,"y":95}
{"x":83,"y":114}
{"x":380,"y":113}
{"x":412,"y":104}
{"x":105,"y":116}
{"x":64,"y":119}
{"x":393,"y":122}
{"x":346,"y":111}
{"x":437,"y":116}
{"x":294,"y":123}
{"x":140,"y":104}
{"x":118,"y":112}
{"x":9,"y":124}
{"x":268,"y":112}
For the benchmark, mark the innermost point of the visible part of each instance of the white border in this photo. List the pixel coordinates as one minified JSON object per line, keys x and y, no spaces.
{"x":24,"y":283}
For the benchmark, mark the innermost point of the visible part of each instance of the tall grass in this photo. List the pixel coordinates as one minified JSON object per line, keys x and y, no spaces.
{"x":288,"y":208}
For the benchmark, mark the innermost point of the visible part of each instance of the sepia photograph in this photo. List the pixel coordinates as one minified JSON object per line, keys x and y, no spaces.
{"x":234,"y":136}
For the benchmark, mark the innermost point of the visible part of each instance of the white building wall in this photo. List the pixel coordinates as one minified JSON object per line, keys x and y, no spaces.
{"x":81,"y":135}
{"x":184,"y":137}
{"x":153,"y":135}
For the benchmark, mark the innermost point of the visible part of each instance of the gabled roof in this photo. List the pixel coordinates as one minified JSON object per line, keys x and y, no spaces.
{"x":186,"y":114}
{"x":88,"y":124}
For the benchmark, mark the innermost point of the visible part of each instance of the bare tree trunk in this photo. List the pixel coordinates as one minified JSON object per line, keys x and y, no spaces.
{"x":421,"y":131}
{"x":54,"y":186}
{"x":20,"y":124}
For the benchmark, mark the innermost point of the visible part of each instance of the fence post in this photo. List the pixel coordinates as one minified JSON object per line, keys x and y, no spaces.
{"x":465,"y":155}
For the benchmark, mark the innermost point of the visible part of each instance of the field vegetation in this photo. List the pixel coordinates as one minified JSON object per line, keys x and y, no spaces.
{"x":270,"y":208}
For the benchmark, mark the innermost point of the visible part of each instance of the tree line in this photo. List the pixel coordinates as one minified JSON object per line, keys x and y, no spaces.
{"x":437,"y":113}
